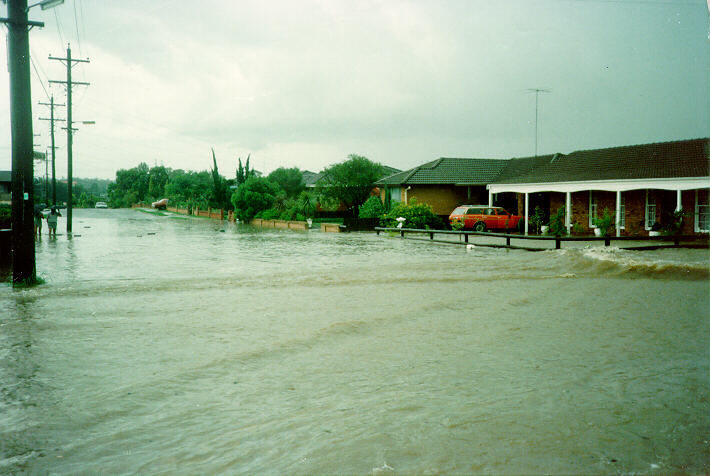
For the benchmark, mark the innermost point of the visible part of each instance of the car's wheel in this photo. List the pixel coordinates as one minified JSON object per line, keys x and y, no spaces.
{"x":479,"y":226}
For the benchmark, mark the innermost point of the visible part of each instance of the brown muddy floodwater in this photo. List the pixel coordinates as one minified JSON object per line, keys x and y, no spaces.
{"x":164,"y":345}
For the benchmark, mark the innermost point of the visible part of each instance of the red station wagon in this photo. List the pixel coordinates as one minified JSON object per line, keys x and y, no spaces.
{"x":481,"y":217}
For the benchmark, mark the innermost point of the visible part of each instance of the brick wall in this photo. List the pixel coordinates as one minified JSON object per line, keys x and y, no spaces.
{"x":444,"y":198}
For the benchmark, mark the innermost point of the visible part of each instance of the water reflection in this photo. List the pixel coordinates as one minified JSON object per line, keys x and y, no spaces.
{"x":20,"y":388}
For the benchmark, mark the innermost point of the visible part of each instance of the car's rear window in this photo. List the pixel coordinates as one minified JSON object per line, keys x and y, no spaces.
{"x":459,"y":211}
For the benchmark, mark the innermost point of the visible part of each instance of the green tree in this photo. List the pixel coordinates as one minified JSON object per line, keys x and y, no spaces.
{"x":158,"y":178}
{"x":189,"y":189}
{"x":255,"y":195}
{"x":349,"y":182}
{"x":134,"y":181}
{"x":219,"y":186}
{"x":290,"y":180}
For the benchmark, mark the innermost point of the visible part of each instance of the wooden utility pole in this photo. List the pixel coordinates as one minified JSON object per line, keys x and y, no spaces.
{"x":18,"y":53}
{"x":52,"y":119}
{"x":69,"y":62}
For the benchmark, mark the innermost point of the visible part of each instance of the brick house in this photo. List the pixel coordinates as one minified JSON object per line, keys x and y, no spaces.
{"x":444,"y":183}
{"x":641,"y":185}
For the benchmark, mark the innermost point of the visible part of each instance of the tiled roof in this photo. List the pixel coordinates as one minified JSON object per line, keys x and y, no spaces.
{"x":687,"y":158}
{"x":448,"y":170}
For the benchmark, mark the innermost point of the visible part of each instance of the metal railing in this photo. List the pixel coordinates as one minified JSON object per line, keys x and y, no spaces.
{"x":677,"y":240}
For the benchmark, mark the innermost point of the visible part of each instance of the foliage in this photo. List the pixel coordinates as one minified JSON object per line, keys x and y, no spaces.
{"x":306,"y":204}
{"x":557,"y":223}
{"x":349,"y":182}
{"x":255,"y":195}
{"x":5,"y":216}
{"x":417,"y":215}
{"x":538,"y":219}
{"x":157,"y":179}
{"x":189,"y":189}
{"x":672,"y":222}
{"x":87,"y":200}
{"x":130,"y":184}
{"x":372,"y":208}
{"x":290,"y":180}
{"x":457,"y":224}
{"x":606,"y":223}
{"x":219,"y":187}
{"x":270,"y":214}
{"x":243,"y":173}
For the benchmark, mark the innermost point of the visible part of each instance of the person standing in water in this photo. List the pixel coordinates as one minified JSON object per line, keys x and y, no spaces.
{"x":52,"y":219}
{"x":38,"y":223}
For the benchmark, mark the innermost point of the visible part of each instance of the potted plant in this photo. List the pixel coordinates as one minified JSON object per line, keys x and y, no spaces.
{"x":604,"y":224}
{"x":538,"y":219}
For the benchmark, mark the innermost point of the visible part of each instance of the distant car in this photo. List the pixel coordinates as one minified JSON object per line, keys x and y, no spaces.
{"x":482,"y":217}
{"x":160,"y":204}
{"x":100,"y":205}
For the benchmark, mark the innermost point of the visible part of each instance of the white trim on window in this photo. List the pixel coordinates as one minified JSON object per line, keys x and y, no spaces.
{"x":649,"y":218}
{"x":702,"y":211}
{"x":593,"y":209}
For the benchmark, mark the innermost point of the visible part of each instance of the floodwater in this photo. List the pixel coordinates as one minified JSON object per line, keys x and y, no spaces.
{"x":164,"y":345}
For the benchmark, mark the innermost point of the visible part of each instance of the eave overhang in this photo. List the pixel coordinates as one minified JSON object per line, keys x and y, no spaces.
{"x":677,"y":183}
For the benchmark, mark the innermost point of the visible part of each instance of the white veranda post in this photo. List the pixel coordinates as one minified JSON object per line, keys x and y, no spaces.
{"x":617,"y":218}
{"x":568,"y":211}
{"x":527,"y":197}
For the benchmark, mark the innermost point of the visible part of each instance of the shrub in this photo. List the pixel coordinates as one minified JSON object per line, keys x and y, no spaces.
{"x":270,"y":214}
{"x":372,"y":208}
{"x":557,"y":223}
{"x":538,"y":219}
{"x":418,"y":215}
{"x":5,"y":216}
{"x":457,"y":224}
{"x":606,"y":223}
{"x":253,"y":196}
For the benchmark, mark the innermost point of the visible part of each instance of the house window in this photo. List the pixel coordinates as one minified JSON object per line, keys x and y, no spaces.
{"x":650,"y":214}
{"x":395,"y":194}
{"x":702,"y":211}
{"x":592,"y":209}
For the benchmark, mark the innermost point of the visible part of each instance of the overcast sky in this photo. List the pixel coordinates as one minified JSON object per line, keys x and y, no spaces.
{"x":304,"y":83}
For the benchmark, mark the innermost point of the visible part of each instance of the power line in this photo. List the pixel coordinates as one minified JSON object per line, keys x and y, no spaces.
{"x":41,"y":83}
{"x":76,"y":26}
{"x":59,"y":28}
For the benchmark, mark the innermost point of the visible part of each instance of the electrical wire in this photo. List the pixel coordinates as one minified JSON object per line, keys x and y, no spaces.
{"x":39,"y":78}
{"x":59,"y":27}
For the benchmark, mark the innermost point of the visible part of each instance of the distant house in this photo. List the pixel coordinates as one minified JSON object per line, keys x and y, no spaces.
{"x":443,"y":183}
{"x":640,"y":184}
{"x":5,"y":186}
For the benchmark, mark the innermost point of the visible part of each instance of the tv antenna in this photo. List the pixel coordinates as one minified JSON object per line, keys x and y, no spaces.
{"x":537,"y":92}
